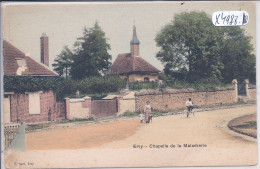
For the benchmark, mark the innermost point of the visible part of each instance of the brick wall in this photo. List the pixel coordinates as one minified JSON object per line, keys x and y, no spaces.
{"x":172,"y":99}
{"x":19,"y":109}
{"x":47,"y":102}
{"x":104,"y":108}
{"x":60,"y":111}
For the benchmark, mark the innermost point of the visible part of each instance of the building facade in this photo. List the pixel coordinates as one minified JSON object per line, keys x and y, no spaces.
{"x":30,"y":107}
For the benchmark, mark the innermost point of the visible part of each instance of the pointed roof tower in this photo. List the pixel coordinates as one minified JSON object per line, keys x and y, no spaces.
{"x":127,"y":64}
{"x":134,"y":44}
{"x":134,"y":40}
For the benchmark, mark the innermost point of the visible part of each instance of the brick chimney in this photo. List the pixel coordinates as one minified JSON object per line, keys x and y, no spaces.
{"x":45,"y":49}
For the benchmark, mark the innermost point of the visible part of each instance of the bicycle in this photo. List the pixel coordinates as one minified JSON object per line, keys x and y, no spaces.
{"x":189,"y":110}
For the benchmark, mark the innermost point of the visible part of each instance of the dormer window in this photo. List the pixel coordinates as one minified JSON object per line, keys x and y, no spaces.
{"x":21,"y":66}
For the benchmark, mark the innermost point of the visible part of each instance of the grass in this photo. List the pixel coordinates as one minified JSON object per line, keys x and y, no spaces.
{"x":130,"y":114}
{"x":243,"y":126}
{"x":248,"y":125}
{"x":159,"y":112}
{"x":32,"y":127}
{"x":106,"y":118}
{"x":76,"y":120}
{"x":220,"y":106}
{"x":153,"y":113}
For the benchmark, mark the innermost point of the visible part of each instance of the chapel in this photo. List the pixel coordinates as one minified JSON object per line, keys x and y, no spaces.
{"x":131,"y":66}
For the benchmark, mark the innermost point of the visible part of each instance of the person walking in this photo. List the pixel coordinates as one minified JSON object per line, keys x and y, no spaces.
{"x":189,"y":105}
{"x":147,"y":111}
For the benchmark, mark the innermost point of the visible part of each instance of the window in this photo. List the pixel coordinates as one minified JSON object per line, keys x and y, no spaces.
{"x":21,"y":66}
{"x":146,"y":79}
{"x":34,"y":103}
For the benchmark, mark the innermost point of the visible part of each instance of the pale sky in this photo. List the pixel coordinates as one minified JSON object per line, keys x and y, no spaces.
{"x":23,"y":24}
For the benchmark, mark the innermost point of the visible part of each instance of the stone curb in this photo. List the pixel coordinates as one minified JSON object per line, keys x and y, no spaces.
{"x":239,"y":131}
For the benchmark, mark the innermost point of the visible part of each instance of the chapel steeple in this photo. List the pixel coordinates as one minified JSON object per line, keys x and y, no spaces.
{"x":134,"y":43}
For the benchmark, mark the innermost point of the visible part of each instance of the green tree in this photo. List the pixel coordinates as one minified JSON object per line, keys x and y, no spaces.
{"x":62,"y":63}
{"x":91,"y":56}
{"x":237,"y":56}
{"x":193,"y":48}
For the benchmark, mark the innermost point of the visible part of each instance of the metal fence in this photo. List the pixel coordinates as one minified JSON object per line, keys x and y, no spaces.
{"x":241,"y":90}
{"x":10,"y":131}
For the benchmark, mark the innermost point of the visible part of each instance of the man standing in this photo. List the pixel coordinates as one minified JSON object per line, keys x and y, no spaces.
{"x":189,"y":105}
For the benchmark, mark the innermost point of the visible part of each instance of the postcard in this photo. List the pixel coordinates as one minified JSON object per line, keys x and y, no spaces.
{"x":129,"y":84}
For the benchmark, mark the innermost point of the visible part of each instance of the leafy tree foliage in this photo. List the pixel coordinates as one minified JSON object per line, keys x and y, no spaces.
{"x":91,"y":57}
{"x":237,"y":56}
{"x":62,"y":64}
{"x":193,"y":49}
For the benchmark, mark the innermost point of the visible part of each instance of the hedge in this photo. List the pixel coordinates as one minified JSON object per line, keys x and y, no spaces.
{"x":95,"y":86}
{"x":63,"y":87}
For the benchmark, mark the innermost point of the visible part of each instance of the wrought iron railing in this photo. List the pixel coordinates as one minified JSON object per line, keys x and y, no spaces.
{"x":10,"y":131}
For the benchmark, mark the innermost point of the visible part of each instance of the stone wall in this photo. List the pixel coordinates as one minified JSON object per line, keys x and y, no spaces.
{"x":252,"y":93}
{"x":173,"y":99}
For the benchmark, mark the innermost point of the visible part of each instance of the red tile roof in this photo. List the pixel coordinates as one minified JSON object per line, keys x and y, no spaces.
{"x":125,"y":64}
{"x":11,"y":54}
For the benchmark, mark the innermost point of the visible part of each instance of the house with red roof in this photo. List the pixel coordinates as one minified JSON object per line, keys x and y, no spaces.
{"x":30,"y":107}
{"x":131,"y":66}
{"x":16,"y":63}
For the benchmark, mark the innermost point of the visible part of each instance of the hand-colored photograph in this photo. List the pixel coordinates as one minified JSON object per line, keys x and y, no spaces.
{"x":129,"y":84}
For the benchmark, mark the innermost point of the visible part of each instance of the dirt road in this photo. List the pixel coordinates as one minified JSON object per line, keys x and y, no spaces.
{"x":208,"y":127}
{"x":201,"y":140}
{"x":83,"y":136}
